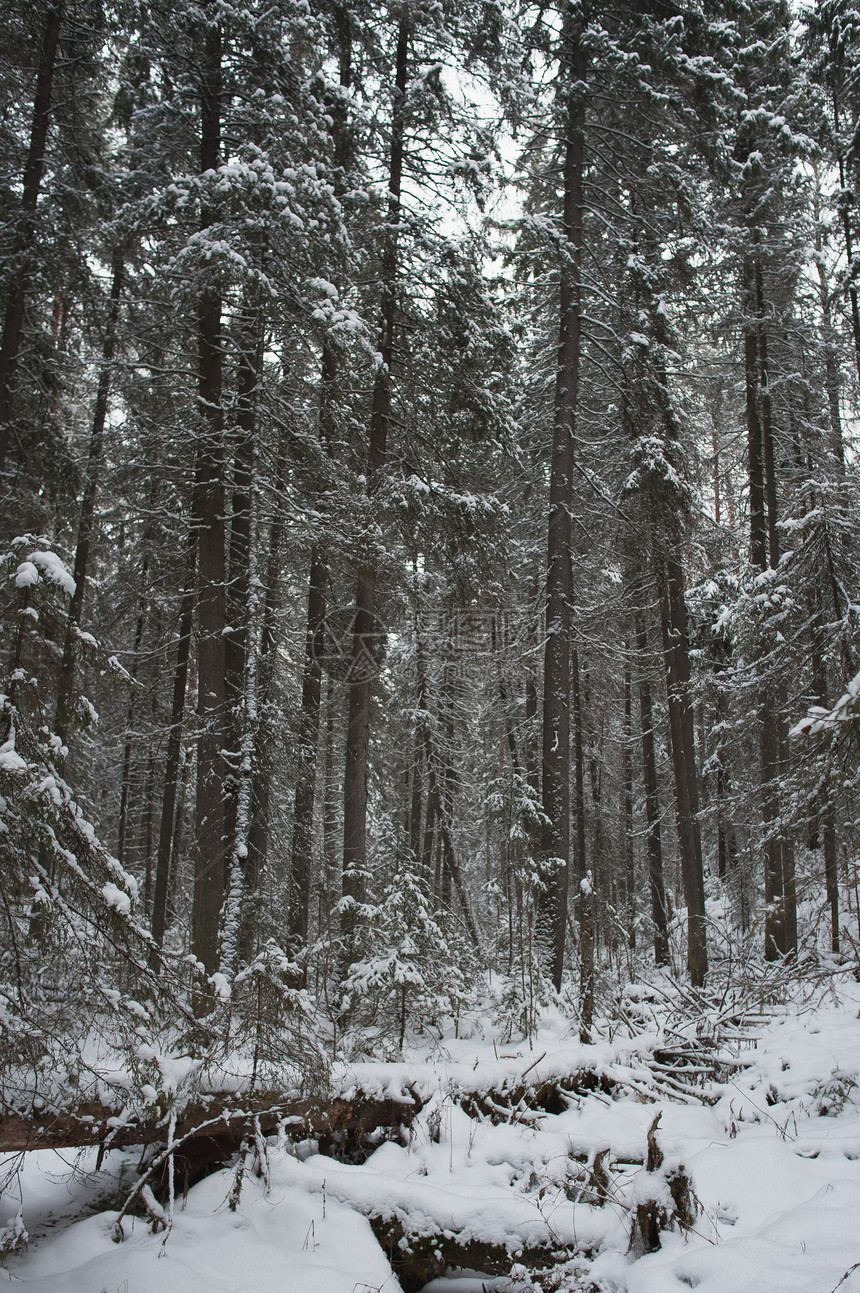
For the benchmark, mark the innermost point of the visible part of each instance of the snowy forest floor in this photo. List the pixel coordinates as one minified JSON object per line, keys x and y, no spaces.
{"x":770,"y":1137}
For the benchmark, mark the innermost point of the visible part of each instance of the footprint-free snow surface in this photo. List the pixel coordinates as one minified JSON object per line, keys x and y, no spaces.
{"x":772,"y":1147}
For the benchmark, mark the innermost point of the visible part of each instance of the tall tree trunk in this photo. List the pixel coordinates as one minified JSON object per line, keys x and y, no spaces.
{"x":676,"y":656}
{"x":248,"y":374}
{"x":419,"y":744}
{"x":659,"y":914}
{"x":780,"y":902}
{"x":755,"y":461}
{"x":361,"y":673}
{"x":845,"y":193}
{"x":650,"y":408}
{"x":65,"y":689}
{"x":210,"y":852}
{"x":34,"y":169}
{"x":551,"y":917}
{"x":305,"y":795}
{"x":583,"y":877}
{"x":239,"y":909}
{"x":331,"y":793}
{"x":832,"y":375}
{"x":173,"y":757}
{"x":586,"y":957}
{"x":766,"y":420}
{"x":827,"y":820}
{"x":627,"y":812}
{"x":258,"y":836}
{"x":301,"y":859}
{"x":128,"y":743}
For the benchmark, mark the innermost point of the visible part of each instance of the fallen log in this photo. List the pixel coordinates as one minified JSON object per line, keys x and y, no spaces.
{"x":418,"y":1259}
{"x":513,"y":1101}
{"x":347,"y":1129}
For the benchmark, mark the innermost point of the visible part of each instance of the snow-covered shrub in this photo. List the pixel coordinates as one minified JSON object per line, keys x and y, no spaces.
{"x":91,"y":1010}
{"x":413,"y":972}
{"x":830,"y":1098}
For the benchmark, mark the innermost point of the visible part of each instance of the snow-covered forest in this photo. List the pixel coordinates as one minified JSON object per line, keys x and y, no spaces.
{"x":429,"y":674}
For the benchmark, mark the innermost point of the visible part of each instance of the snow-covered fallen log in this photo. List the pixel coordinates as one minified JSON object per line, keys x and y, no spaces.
{"x":217,"y":1124}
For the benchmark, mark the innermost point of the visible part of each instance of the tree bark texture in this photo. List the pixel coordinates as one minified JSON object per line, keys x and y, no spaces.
{"x":778,"y":858}
{"x":209,"y":507}
{"x":173,"y":757}
{"x":656,"y":886}
{"x":362,"y":669}
{"x":551,"y":916}
{"x":676,"y":656}
{"x":34,"y":169}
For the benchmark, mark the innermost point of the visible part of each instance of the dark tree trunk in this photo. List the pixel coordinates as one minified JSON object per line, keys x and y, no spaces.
{"x":422,"y":720}
{"x":850,"y":276}
{"x":827,"y":819}
{"x":774,"y":892}
{"x":659,"y":914}
{"x":128,"y":743}
{"x":676,"y":656}
{"x":416,"y":777}
{"x":832,"y":374}
{"x":780,"y":910}
{"x":755,"y":461}
{"x":331,"y":791}
{"x":258,"y":835}
{"x":173,"y":756}
{"x":551,"y":918}
{"x":650,"y":408}
{"x":580,"y":857}
{"x":65,"y":689}
{"x":362,"y":670}
{"x":766,"y":422}
{"x":586,"y":958}
{"x":34,"y":169}
{"x":301,"y":860}
{"x":627,"y":812}
{"x":584,"y":895}
{"x":235,"y":640}
{"x":303,"y":820}
{"x":210,"y":851}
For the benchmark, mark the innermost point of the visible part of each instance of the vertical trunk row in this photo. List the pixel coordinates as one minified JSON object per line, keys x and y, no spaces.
{"x":210,"y":857}
{"x":361,"y":673}
{"x":650,"y":411}
{"x":65,"y":690}
{"x":34,"y":168}
{"x":551,"y":917}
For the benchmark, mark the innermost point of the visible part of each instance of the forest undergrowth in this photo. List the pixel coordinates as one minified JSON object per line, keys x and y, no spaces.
{"x":701,"y":1137}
